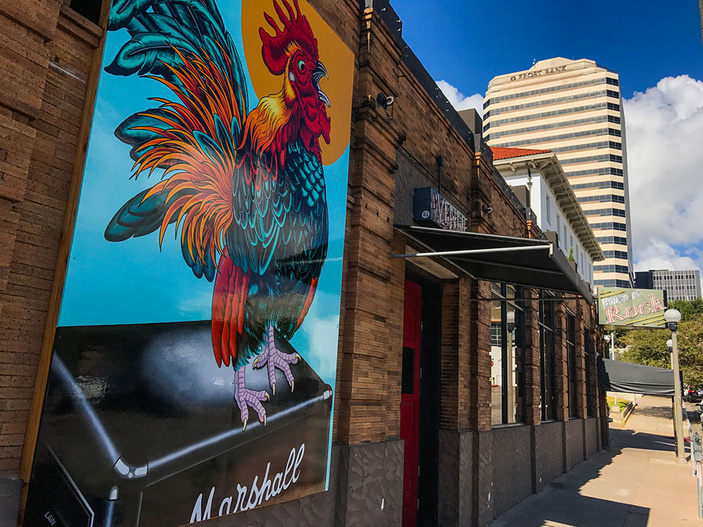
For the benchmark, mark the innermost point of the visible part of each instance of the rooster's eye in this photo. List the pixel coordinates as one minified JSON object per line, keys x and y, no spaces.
{"x":301,"y":65}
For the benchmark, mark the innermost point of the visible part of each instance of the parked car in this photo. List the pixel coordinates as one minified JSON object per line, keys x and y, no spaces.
{"x":693,"y":394}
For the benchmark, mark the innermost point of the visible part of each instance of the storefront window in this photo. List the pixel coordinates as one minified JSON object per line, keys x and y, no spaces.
{"x":547,"y":373}
{"x":506,"y":356}
{"x":571,"y":364}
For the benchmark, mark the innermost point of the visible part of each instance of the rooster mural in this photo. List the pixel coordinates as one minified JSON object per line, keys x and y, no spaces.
{"x":244,"y":188}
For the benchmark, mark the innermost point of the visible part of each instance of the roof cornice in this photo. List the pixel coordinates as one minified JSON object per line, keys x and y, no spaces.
{"x":554,"y":175}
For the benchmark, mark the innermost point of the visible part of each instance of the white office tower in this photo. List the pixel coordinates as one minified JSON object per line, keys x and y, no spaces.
{"x":574,"y":109}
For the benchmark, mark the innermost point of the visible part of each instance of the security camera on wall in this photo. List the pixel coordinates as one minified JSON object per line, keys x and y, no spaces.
{"x":384,"y":101}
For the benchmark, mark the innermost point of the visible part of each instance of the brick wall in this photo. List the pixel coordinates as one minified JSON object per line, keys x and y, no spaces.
{"x":370,"y":330}
{"x":533,"y":411}
{"x":581,"y":408}
{"x":457,"y":398}
{"x":481,"y":356}
{"x":45,"y":55}
{"x":560,"y":362}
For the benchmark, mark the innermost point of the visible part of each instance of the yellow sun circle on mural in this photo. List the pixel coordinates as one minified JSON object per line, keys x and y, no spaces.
{"x":334,"y":54}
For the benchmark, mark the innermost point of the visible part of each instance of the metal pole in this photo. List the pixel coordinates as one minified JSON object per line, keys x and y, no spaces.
{"x":694,"y":438}
{"x":612,"y":357}
{"x":511,"y":377}
{"x":678,"y":416}
{"x":696,"y":455}
{"x":478,"y":251}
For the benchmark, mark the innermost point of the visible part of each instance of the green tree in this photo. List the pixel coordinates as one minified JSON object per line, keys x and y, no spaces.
{"x":648,"y":346}
{"x":690,"y":341}
{"x":688,"y":308}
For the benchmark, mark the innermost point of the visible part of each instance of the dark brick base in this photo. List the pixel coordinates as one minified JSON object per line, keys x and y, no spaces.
{"x":455,"y":477}
{"x":370,"y":484}
{"x":483,"y":474}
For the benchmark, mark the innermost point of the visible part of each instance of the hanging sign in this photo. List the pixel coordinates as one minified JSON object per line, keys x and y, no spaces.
{"x":638,"y":308}
{"x":432,"y":209}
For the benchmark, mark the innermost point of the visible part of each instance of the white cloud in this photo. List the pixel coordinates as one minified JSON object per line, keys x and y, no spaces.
{"x":659,"y":255}
{"x":317,"y":338}
{"x":459,"y":100}
{"x":664,"y":127}
{"x":322,"y":333}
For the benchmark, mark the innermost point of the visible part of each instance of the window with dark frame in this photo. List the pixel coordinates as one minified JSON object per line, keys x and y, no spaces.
{"x":507,"y":376}
{"x":571,"y":364}
{"x":546,"y":355}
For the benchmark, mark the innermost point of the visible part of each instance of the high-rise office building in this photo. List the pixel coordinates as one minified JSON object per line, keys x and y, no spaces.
{"x":574,"y":109}
{"x":679,"y":285}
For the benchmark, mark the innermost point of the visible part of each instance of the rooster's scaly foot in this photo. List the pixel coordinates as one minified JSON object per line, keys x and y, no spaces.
{"x":246,"y":398}
{"x":273,"y":358}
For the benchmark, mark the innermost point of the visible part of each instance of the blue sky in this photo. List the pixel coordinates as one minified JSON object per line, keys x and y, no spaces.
{"x":657,"y":50}
{"x":467,"y":42}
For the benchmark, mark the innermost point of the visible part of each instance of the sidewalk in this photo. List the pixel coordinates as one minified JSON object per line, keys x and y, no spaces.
{"x":636,"y":483}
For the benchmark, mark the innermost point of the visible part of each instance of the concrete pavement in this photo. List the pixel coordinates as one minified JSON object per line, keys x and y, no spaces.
{"x":637,"y":482}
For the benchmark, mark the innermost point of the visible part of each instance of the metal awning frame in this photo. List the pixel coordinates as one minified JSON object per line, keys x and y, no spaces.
{"x":474,"y":251}
{"x":520,"y":245}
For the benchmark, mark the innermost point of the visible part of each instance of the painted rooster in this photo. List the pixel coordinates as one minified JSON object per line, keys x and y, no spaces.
{"x":245,"y":188}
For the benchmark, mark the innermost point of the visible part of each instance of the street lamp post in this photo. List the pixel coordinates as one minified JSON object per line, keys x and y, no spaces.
{"x":672,"y":317}
{"x":511,"y":364}
{"x":606,"y":338}
{"x":610,"y":339}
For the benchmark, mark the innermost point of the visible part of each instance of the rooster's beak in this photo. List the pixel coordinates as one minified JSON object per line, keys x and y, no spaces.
{"x":317,"y":74}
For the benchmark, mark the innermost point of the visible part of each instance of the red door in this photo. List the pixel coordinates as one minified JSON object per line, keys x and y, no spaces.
{"x":410,"y":399}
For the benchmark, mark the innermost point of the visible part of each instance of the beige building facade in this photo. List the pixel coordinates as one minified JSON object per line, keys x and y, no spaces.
{"x":551,"y":198}
{"x":574,"y":109}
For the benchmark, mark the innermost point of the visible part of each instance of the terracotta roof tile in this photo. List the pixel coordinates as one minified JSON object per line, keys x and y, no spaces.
{"x":500,"y":152}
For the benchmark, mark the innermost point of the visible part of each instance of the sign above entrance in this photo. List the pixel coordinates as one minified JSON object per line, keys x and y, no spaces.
{"x":636,"y":308}
{"x":431,"y":209}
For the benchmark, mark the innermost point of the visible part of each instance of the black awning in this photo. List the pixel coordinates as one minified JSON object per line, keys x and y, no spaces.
{"x":520,"y":261}
{"x":616,"y":376}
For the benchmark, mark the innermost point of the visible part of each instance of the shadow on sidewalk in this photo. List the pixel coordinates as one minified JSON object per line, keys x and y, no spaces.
{"x":663,"y":412}
{"x":561,"y":504}
{"x":584,"y":512}
{"x":626,"y":438}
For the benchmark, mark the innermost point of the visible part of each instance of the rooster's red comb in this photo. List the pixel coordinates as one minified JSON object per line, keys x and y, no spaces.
{"x":296,"y":28}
